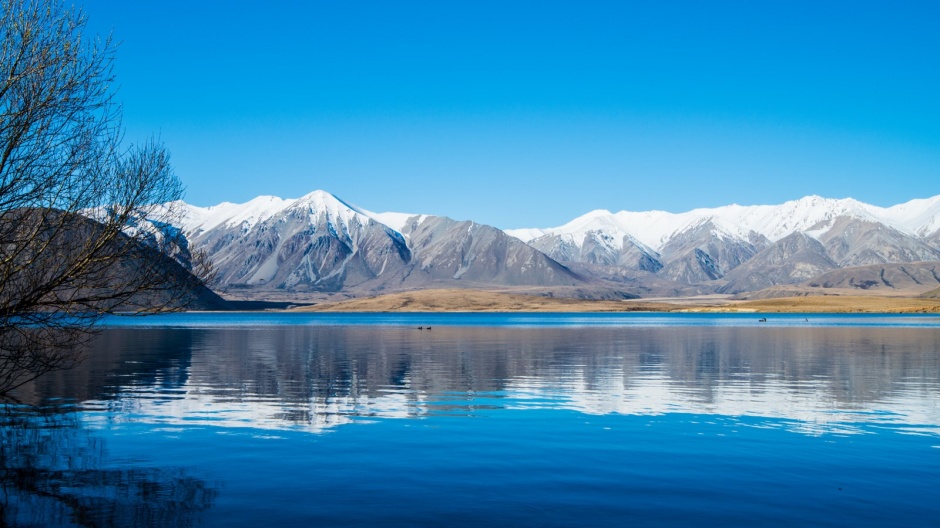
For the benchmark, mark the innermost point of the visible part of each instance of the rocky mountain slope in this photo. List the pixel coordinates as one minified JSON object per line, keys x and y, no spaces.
{"x":881,"y":280}
{"x":447,"y":249}
{"x":319,"y":243}
{"x":909,"y":277}
{"x":791,"y":260}
{"x":313,"y":243}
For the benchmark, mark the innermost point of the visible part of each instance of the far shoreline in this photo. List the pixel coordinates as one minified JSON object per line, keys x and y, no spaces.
{"x":478,"y":301}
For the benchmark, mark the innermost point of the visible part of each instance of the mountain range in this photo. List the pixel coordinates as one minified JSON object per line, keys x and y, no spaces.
{"x":320,"y":244}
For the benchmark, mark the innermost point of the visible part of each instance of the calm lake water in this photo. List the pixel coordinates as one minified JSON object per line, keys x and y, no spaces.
{"x":493,"y":420}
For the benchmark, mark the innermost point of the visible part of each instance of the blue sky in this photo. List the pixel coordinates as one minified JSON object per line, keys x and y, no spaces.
{"x":523,"y":114}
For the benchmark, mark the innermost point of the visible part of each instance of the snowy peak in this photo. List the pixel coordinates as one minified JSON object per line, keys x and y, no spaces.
{"x":246,"y":215}
{"x":321,"y":205}
{"x":258,"y":210}
{"x":813,"y":215}
{"x":333,"y":207}
{"x":781,"y":244}
{"x":920,"y":216}
{"x":323,"y":201}
{"x":526,"y":234}
{"x":316,"y":242}
{"x":598,"y":220}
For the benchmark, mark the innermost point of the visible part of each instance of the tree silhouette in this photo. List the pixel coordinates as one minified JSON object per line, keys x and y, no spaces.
{"x":74,"y":240}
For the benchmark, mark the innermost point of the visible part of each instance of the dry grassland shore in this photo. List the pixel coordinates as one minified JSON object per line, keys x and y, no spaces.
{"x":454,"y":300}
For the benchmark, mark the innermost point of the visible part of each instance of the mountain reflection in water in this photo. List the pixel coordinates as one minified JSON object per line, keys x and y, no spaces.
{"x":578,"y":425}
{"x":315,"y":378}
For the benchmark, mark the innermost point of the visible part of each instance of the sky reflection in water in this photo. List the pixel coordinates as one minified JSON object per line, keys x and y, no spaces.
{"x":550,"y":420}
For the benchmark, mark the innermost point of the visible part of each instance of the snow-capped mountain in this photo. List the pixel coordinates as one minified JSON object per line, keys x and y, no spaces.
{"x":595,"y":238}
{"x":313,"y":242}
{"x":707,"y":244}
{"x":321,"y":243}
{"x":813,"y":215}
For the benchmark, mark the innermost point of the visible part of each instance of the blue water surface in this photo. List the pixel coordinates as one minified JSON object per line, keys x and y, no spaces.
{"x":486,"y":319}
{"x":488,"y":419}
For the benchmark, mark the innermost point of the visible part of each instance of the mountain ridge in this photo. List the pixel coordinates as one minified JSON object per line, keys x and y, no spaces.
{"x":920,"y":217}
{"x":321,"y":243}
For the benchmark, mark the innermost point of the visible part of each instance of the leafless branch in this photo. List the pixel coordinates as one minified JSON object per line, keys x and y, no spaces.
{"x":82,"y":228}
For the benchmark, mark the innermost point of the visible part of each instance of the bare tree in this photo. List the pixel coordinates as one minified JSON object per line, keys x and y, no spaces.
{"x":74,"y":240}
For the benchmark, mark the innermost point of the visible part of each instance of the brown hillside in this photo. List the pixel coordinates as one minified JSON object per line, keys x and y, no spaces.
{"x":932,"y":294}
{"x":461,"y":300}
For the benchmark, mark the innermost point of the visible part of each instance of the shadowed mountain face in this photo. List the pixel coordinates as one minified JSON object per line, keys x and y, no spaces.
{"x":854,"y":242}
{"x":704,"y":253}
{"x":447,"y":249}
{"x":850,"y":244}
{"x":791,"y":260}
{"x":914,"y":276}
{"x":62,"y":262}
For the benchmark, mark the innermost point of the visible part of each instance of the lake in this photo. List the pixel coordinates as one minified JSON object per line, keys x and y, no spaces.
{"x":484,"y":419}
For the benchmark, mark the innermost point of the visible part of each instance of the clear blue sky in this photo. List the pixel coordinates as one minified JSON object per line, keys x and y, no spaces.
{"x":525,"y":114}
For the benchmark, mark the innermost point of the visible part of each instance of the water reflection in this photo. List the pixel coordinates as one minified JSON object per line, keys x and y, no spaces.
{"x":822,"y":380}
{"x":56,"y":473}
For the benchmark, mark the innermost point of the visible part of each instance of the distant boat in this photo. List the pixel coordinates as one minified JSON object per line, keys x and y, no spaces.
{"x":762,"y":320}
